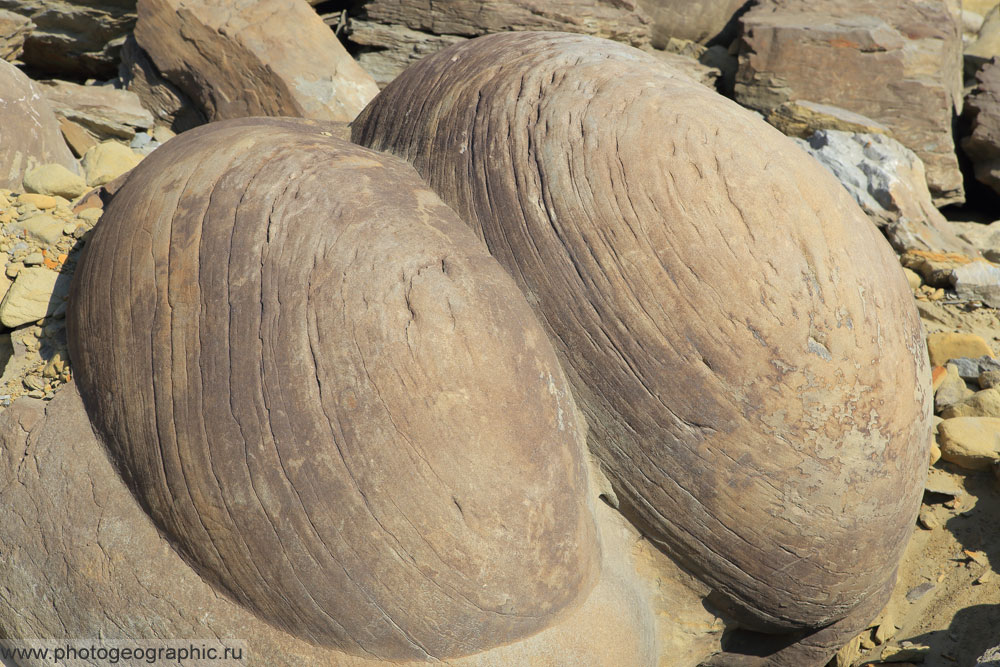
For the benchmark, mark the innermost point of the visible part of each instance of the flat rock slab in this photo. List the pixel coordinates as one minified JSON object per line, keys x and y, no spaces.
{"x":104,"y":110}
{"x":29,"y":130}
{"x":78,"y":37}
{"x":249,"y":58}
{"x":899,"y":63}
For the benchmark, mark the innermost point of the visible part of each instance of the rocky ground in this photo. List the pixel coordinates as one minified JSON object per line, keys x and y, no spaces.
{"x":875,"y":94}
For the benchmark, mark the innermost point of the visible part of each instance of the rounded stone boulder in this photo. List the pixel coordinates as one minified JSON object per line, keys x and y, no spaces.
{"x":330,"y":398}
{"x":739,"y":336}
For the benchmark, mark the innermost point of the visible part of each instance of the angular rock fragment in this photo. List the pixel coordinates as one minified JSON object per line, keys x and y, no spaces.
{"x":898,"y":63}
{"x":105,"y":111}
{"x":887,"y":180}
{"x":163,"y":99}
{"x":253,"y":58}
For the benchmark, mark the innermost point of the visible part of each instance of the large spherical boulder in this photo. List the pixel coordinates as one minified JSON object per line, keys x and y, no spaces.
{"x":328,"y":395}
{"x":739,"y":336}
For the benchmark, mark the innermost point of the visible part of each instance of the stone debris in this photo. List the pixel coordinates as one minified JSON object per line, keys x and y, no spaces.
{"x":40,"y":239}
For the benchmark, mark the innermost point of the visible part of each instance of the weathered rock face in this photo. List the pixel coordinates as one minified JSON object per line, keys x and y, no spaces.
{"x":29,"y":130}
{"x":983,"y":145}
{"x":738,"y":334}
{"x":251,"y":58}
{"x":14,"y":28}
{"x":75,"y":37}
{"x":899,"y":63}
{"x":698,"y":21}
{"x":160,"y":97}
{"x":887,"y":180}
{"x":107,"y":572}
{"x":394,"y":34}
{"x":321,"y":287}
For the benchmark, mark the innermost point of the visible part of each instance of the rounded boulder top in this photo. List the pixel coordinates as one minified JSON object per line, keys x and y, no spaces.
{"x":331,"y":399}
{"x":739,"y":336}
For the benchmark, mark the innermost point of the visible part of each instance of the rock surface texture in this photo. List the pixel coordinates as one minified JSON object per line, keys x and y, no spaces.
{"x":983,"y":144}
{"x":319,"y":287}
{"x":393,"y":34}
{"x":75,"y":37}
{"x":14,"y":28}
{"x":888,"y":182}
{"x":899,"y":63}
{"x":756,"y":388}
{"x":698,"y":21}
{"x":29,"y":130}
{"x":103,"y":110}
{"x":253,"y":58}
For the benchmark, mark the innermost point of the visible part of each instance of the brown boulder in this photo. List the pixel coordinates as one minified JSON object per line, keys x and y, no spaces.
{"x":983,"y":107}
{"x":303,"y":325}
{"x":29,"y":130}
{"x":899,"y":63}
{"x":738,"y":335}
{"x":253,"y":58}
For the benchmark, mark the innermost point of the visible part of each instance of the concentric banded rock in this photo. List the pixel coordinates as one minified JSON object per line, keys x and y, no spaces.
{"x":322,"y":388}
{"x":739,"y":336}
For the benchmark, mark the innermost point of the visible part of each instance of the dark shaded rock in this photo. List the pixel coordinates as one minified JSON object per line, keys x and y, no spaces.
{"x":75,"y":38}
{"x":983,"y":107}
{"x":163,"y":99}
